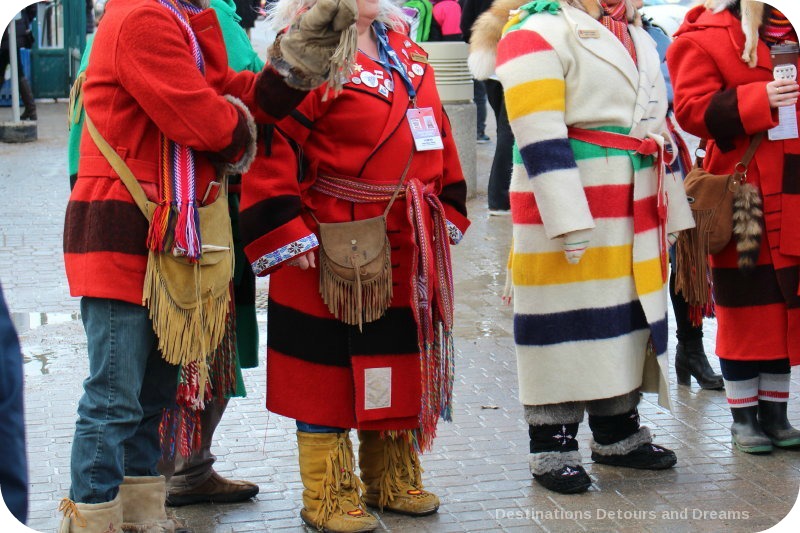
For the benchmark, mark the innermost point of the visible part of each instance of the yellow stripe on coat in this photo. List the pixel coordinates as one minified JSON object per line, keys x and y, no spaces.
{"x":549,"y":96}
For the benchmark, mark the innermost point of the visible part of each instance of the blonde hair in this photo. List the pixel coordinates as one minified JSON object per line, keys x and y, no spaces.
{"x":284,"y":12}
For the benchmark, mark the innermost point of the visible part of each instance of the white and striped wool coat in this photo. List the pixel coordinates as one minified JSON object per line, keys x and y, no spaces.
{"x":582,"y":331}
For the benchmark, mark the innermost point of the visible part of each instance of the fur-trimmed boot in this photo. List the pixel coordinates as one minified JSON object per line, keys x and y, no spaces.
{"x":91,"y":517}
{"x":392,"y":474}
{"x":619,"y":440}
{"x":332,"y":496}
{"x":143,"y":506}
{"x":773,"y":420}
{"x":555,"y":460}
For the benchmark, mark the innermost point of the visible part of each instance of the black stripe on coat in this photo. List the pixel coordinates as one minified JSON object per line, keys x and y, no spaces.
{"x":105,"y":226}
{"x":789,"y":280}
{"x":791,"y":174}
{"x":734,"y":288}
{"x":580,"y":325}
{"x":393,"y":333}
{"x":327,"y":341}
{"x":317,"y":340}
{"x":268,"y":215}
{"x":723,"y":120}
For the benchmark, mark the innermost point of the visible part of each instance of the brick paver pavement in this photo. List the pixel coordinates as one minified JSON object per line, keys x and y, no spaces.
{"x":479,"y":462}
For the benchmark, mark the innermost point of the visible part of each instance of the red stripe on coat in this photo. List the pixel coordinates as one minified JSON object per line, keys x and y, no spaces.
{"x":518,"y":43}
{"x":406,"y":389}
{"x":645,"y":216}
{"x":760,"y":332}
{"x":296,"y":393}
{"x":605,"y":201}
{"x":299,"y":396}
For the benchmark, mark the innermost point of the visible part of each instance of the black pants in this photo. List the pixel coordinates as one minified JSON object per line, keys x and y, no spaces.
{"x":500,"y":176}
{"x":684,"y":329}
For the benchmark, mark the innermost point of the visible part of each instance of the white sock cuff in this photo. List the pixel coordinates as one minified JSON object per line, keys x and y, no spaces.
{"x":774,"y":387}
{"x":742,"y":393}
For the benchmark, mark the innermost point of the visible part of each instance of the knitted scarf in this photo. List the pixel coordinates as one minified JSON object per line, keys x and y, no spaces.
{"x":616,"y":20}
{"x":777,"y":28}
{"x":175,"y":227}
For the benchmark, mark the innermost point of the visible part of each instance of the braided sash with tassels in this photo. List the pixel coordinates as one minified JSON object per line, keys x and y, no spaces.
{"x":176,"y":224}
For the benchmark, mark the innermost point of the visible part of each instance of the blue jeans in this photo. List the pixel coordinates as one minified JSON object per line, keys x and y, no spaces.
{"x":129,"y":384}
{"x":314,"y":428}
{"x":14,"y":465}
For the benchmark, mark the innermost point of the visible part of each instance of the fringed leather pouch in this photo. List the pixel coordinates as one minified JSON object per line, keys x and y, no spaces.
{"x":355,"y":269}
{"x":723,"y":206}
{"x":188,"y":300}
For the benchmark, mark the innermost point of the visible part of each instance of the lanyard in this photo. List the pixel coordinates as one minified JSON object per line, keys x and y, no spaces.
{"x":389,"y":60}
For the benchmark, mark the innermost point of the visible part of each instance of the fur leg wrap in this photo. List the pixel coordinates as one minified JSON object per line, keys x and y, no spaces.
{"x":554,"y":413}
{"x":624,"y":446}
{"x":615,"y":405}
{"x":544,"y":462}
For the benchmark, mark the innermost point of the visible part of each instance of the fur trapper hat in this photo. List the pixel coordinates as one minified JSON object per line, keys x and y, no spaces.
{"x":752,"y":18}
{"x":488,"y":29}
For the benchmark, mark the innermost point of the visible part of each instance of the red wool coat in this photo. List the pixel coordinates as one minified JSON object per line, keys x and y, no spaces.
{"x":718,"y":97}
{"x":141,"y":81}
{"x":315,"y":363}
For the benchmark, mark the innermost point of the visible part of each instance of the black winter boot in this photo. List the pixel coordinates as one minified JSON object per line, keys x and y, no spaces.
{"x":26,"y":94}
{"x":746,"y":432}
{"x":690,"y":359}
{"x":775,"y":424}
{"x":555,"y":460}
{"x":619,"y":440}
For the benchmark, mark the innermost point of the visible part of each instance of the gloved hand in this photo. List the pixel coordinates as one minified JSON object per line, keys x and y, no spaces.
{"x":672,"y":238}
{"x":575,"y":244}
{"x":303,"y":54}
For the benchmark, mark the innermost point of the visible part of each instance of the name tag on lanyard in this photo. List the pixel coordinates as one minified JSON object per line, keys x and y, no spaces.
{"x":424,"y":129}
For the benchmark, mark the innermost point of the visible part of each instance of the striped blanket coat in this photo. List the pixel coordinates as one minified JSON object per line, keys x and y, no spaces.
{"x":582,"y":331}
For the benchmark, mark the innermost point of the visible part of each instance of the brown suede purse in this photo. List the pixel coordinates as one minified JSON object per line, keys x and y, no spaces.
{"x":711,"y":199}
{"x":355,"y":269}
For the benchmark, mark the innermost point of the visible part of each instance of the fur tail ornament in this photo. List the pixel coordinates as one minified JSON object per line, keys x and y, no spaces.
{"x":747,"y":214}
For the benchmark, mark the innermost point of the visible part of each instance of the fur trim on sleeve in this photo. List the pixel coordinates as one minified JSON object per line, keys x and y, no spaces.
{"x":243,"y":164}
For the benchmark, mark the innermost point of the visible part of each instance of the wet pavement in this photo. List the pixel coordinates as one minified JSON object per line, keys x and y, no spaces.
{"x":478,"y":465}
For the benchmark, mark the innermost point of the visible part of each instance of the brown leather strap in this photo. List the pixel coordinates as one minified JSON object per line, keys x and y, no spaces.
{"x":755,"y":141}
{"x":119,"y":166}
{"x":399,"y":185}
